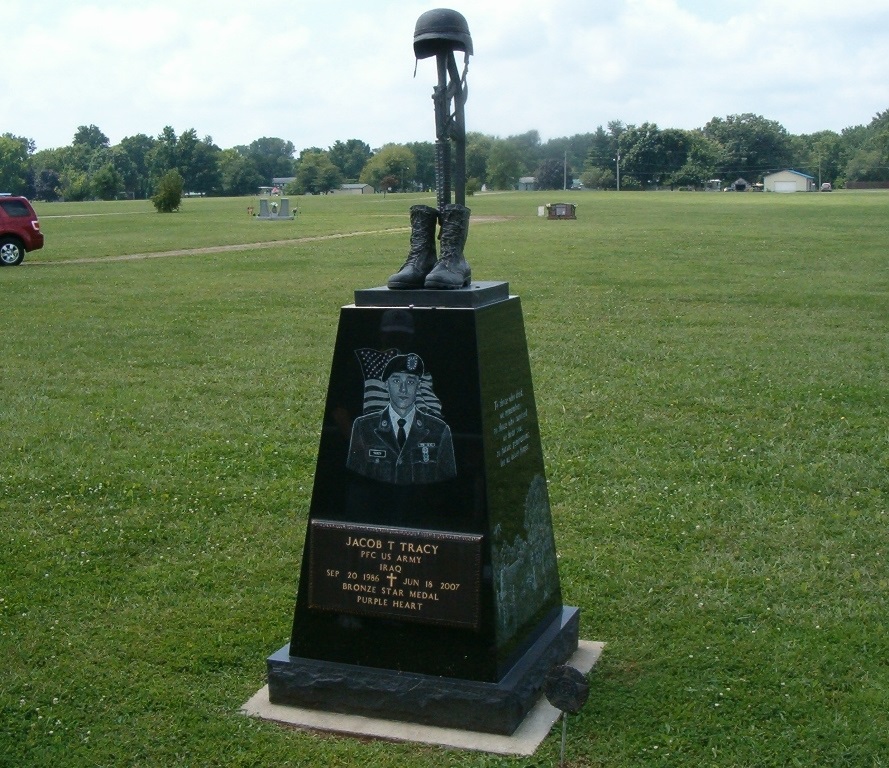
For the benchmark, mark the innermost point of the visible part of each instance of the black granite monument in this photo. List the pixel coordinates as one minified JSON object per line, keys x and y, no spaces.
{"x":429,"y":590}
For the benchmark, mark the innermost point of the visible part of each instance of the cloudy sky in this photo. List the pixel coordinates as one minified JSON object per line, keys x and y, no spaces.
{"x":315,"y":72}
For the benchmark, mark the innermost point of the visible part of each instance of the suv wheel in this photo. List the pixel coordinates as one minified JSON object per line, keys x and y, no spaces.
{"x":11,"y":252}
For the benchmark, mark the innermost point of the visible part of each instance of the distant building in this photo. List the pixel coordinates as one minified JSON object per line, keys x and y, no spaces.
{"x":789,"y":181}
{"x":353,"y":189}
{"x":527,"y":183}
{"x":739,"y":185}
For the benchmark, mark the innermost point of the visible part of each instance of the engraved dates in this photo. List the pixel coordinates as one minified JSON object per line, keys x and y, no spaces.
{"x":423,"y":576}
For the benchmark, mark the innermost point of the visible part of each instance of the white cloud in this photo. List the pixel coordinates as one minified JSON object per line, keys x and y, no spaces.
{"x":317,"y":72}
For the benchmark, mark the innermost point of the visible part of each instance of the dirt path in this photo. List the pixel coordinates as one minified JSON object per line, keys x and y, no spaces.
{"x":241,"y":246}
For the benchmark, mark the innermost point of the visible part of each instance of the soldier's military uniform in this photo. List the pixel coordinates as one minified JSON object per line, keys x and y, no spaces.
{"x":426,"y":457}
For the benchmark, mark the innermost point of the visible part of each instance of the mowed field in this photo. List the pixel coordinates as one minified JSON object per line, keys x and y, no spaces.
{"x":712,"y":380}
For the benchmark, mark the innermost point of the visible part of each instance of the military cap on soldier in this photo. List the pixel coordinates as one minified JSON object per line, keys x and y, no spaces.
{"x":411,"y":363}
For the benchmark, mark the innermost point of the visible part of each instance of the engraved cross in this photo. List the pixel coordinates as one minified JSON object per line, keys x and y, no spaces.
{"x":392,"y":579}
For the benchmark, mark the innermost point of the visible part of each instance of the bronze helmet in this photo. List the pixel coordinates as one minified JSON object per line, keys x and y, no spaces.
{"x":441,"y":31}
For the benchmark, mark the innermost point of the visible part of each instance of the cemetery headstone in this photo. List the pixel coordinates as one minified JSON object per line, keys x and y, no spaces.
{"x":429,"y":590}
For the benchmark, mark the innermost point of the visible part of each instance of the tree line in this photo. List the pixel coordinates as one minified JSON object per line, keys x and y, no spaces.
{"x":643,"y":156}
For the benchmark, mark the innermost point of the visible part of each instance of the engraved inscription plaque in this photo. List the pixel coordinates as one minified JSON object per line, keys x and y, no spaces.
{"x":429,"y":577}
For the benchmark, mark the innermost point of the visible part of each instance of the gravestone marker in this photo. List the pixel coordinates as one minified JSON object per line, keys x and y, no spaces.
{"x":431,"y":596}
{"x":429,"y":590}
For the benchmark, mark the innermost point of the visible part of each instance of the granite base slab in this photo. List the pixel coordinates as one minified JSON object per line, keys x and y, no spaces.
{"x":525,"y":740}
{"x":426,"y":699}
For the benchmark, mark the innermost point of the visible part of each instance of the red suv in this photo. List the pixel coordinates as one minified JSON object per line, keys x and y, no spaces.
{"x":19,"y":230}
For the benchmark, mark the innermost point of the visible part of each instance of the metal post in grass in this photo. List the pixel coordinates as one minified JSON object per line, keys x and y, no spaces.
{"x":566,"y":688}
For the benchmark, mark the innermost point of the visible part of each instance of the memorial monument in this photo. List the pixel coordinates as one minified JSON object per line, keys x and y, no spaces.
{"x":429,"y":590}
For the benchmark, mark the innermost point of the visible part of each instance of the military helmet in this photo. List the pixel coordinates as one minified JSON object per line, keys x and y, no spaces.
{"x":441,"y":31}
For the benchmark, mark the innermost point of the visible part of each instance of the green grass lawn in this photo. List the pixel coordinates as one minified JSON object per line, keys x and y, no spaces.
{"x":712,"y":380}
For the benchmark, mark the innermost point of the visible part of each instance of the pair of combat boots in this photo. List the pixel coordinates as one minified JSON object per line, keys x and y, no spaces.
{"x":422,"y":269}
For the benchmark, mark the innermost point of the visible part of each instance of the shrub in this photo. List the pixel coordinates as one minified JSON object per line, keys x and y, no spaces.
{"x":169,"y":192}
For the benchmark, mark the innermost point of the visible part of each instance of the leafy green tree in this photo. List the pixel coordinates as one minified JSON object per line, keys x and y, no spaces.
{"x":48,"y":158}
{"x":602,"y":156}
{"x":573,"y":149}
{"x":186,"y":151}
{"x":238,"y":174}
{"x":551,"y":174}
{"x":596,"y":177}
{"x":672,"y":156}
{"x":854,"y":138}
{"x":75,"y":185}
{"x":393,"y":160}
{"x":674,"y":146}
{"x":272,"y":157}
{"x":169,"y":192}
{"x":91,"y":137}
{"x":316,"y":174}
{"x":424,"y":170}
{"x":641,"y":152}
{"x":106,"y":182}
{"x":14,"y":163}
{"x":604,"y":145}
{"x":133,"y":156}
{"x":869,"y":161}
{"x":198,"y":162}
{"x":702,"y":158}
{"x":98,"y":159}
{"x":124,"y":167}
{"x":389,"y":183}
{"x":47,"y":185}
{"x":867,"y":165}
{"x":629,"y":184}
{"x":753,"y":146}
{"x":350,"y":157}
{"x":819,"y":154}
{"x":76,"y":157}
{"x":478,"y":148}
{"x":527,"y":147}
{"x":504,"y":165}
{"x":164,"y":155}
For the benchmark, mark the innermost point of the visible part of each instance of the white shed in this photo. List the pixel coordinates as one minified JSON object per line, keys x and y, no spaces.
{"x":353,"y":189}
{"x":789,"y":181}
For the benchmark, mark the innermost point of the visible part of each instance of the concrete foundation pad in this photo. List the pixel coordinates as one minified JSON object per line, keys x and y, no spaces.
{"x":524,"y":741}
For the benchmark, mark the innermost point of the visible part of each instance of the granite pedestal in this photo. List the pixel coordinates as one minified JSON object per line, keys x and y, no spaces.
{"x":429,"y":590}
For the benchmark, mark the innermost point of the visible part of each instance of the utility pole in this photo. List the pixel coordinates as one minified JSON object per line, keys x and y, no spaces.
{"x":618,"y":171}
{"x":565,"y":172}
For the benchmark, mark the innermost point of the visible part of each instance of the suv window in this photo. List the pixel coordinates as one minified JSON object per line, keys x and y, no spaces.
{"x":14,"y":208}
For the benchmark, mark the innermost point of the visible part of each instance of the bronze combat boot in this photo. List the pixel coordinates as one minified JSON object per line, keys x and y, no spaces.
{"x":451,"y":270}
{"x":421,"y":257}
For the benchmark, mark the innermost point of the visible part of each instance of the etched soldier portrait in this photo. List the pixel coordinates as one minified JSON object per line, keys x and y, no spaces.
{"x":399,"y":439}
